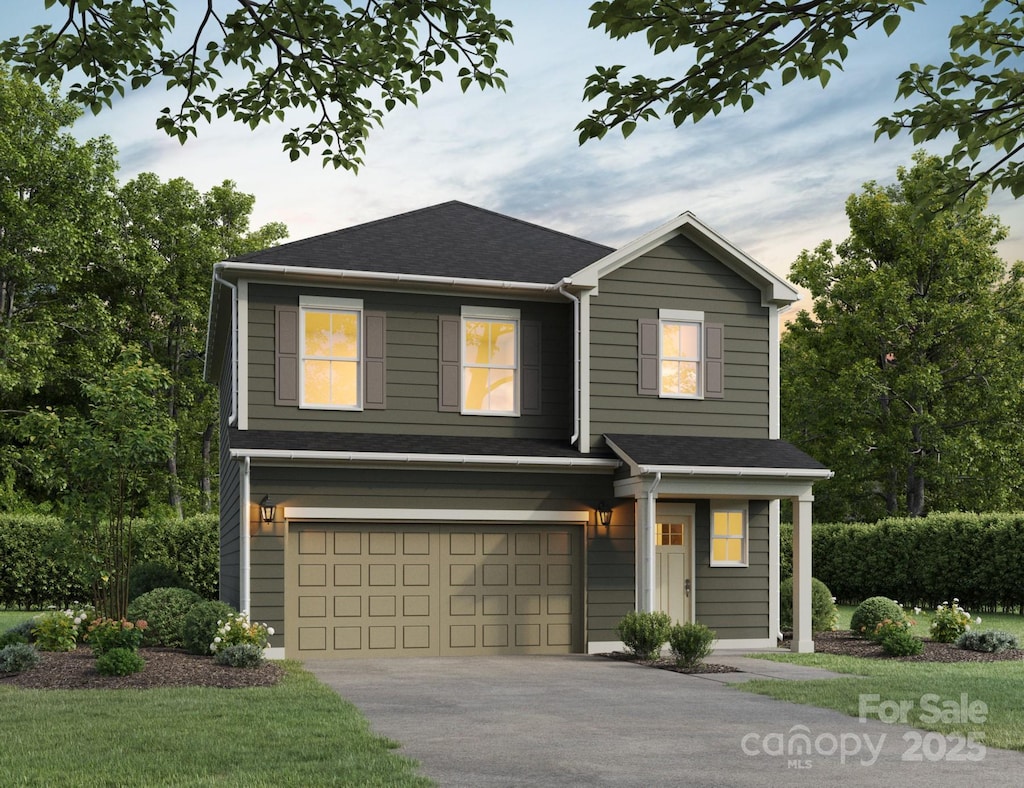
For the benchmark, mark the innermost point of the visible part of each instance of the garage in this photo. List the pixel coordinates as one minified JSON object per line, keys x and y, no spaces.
{"x":392,"y":590}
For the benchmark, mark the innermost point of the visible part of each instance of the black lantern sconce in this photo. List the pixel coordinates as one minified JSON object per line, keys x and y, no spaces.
{"x":268,"y":511}
{"x":603,"y":512}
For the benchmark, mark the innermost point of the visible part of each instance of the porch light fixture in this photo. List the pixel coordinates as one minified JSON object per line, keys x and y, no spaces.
{"x":268,"y":511}
{"x":604,"y":514}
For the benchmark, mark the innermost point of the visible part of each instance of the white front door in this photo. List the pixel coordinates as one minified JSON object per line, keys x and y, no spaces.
{"x":672,"y":574}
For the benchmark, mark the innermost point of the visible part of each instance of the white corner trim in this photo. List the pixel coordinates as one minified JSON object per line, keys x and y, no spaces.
{"x":274,"y":653}
{"x":362,"y":514}
{"x":774,"y":382}
{"x":604,"y":646}
{"x":243,"y":355}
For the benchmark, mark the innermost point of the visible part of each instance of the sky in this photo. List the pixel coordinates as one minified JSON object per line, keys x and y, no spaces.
{"x":773,"y":180}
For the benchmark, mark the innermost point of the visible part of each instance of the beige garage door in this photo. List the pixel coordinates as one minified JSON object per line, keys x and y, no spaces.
{"x":418,"y":590}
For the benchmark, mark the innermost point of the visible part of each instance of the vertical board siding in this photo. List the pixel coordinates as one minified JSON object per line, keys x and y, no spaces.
{"x":678,"y":275}
{"x":733,"y":601}
{"x":411,"y":372}
{"x":230,"y":494}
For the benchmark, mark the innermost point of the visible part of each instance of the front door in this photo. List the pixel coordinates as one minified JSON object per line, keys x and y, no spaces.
{"x":672,"y":577}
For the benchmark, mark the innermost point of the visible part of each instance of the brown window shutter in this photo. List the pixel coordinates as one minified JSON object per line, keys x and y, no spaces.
{"x":286,"y":355}
{"x":374,"y":360}
{"x":448,"y":373}
{"x":529,"y":356}
{"x":648,"y":373}
{"x":714,"y":361}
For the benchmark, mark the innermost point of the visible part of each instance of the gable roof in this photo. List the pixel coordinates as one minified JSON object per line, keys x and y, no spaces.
{"x":452,"y":239}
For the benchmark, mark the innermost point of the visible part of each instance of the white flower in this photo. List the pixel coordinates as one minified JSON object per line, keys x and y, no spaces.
{"x":270,"y":630}
{"x":977,"y":620}
{"x":216,"y":640}
{"x":967,"y":628}
{"x":917,"y":611}
{"x":956,"y":599}
{"x":213,"y":647}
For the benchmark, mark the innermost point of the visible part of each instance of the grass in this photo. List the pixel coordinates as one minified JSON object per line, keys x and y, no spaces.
{"x":10,"y":618}
{"x":999,"y":685}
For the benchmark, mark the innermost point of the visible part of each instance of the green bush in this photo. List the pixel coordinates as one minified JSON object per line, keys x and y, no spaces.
{"x":872,"y":612}
{"x":148,"y":575}
{"x":107,"y":634}
{"x":237,"y":630}
{"x":644,"y":633}
{"x":13,"y":636}
{"x":690,"y":643}
{"x":950,"y":622}
{"x":240,"y":655}
{"x":55,"y":631}
{"x":17,"y":657}
{"x":201,"y":623}
{"x":824,"y":614}
{"x":898,"y":642}
{"x":24,"y":629}
{"x":120,"y":662}
{"x":164,"y":610}
{"x":993,"y":641}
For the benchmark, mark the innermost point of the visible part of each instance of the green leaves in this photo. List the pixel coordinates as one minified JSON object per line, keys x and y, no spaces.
{"x":346,"y":67}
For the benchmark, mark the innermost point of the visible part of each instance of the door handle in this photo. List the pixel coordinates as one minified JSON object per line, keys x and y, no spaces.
{"x":686,"y":586}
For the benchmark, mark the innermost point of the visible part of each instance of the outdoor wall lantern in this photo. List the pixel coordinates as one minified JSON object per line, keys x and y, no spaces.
{"x":604,"y":514}
{"x":267,"y":510}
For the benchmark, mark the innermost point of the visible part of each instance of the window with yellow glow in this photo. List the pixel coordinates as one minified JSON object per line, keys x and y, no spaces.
{"x":728,"y":538}
{"x":680,"y":359}
{"x":489,"y":365}
{"x":330,"y":357}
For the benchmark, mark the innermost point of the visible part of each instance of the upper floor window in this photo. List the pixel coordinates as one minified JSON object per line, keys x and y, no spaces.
{"x":330,"y":331}
{"x":490,"y":361}
{"x":680,"y":356}
{"x":728,"y":534}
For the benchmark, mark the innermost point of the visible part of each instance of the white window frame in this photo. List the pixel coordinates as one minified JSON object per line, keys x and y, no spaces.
{"x":476,"y":313}
{"x":682,"y":317}
{"x":730,"y":507}
{"x":322,"y":304}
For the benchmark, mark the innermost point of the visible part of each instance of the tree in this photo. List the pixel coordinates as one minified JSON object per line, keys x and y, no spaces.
{"x":742,"y":46}
{"x":305,"y":56}
{"x":906,"y":380}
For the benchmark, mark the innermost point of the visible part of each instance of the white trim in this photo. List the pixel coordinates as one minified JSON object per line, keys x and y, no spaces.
{"x":716,"y":470}
{"x":746,"y":643}
{"x":363,"y":514}
{"x":684,"y":315}
{"x":327,"y":305}
{"x":485,"y":314}
{"x":699,"y":361}
{"x":730,"y":507}
{"x":774,"y":384}
{"x":243,"y":355}
{"x":584,"y":442}
{"x":604,"y":646}
{"x":442,"y":459}
{"x":245,"y":565}
{"x":329,"y":302}
{"x":274,"y":653}
{"x":490,"y":313}
{"x":774,"y":579}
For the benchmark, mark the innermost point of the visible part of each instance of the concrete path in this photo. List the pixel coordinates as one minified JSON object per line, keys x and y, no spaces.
{"x":590,"y":721}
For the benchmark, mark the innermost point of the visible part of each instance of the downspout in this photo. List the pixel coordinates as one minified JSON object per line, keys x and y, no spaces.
{"x":576,"y":359}
{"x":233,"y":416}
{"x":243,"y":543}
{"x":648,"y":546}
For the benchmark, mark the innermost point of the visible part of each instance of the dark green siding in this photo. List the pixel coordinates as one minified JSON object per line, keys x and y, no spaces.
{"x":733,"y":601}
{"x":230,"y":492}
{"x":412,"y":369}
{"x":677,"y":275}
{"x":611,"y":568}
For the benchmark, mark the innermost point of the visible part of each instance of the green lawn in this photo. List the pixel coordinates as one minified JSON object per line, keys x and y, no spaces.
{"x":9,"y":618}
{"x":998,"y":685}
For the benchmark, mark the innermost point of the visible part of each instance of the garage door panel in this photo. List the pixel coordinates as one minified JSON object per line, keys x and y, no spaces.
{"x":430,"y":590}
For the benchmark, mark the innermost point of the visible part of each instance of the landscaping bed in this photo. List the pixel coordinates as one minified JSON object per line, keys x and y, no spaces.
{"x":844,"y":643}
{"x":165,"y":667}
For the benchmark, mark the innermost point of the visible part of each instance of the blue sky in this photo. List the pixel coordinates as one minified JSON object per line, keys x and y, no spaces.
{"x":773,"y":180}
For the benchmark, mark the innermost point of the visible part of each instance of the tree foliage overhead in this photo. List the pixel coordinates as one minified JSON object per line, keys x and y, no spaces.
{"x":741,"y":47}
{"x":344,"y":64}
{"x":906,"y":380}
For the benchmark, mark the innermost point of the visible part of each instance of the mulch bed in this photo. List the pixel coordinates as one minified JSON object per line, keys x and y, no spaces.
{"x":165,"y":667}
{"x":846,"y":644}
{"x":669,"y":664}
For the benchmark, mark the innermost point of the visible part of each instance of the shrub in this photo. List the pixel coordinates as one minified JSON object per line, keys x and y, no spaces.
{"x":55,"y":630}
{"x":119,"y":662}
{"x":690,"y":643}
{"x":17,"y":657}
{"x":872,"y":612}
{"x":236,"y":630}
{"x":148,"y":575}
{"x":898,"y":642}
{"x":240,"y":655}
{"x":644,"y":633}
{"x":824,"y":614}
{"x":164,"y":609}
{"x":201,"y":623}
{"x":24,"y":629}
{"x":950,"y":622}
{"x":13,"y":636}
{"x":991,"y":640}
{"x":106,"y":634}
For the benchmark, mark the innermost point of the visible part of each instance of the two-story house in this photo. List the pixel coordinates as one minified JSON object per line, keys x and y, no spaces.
{"x":455,"y":432}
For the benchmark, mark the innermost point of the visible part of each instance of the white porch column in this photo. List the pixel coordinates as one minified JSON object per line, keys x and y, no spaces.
{"x":646,"y":511}
{"x":803,"y":638}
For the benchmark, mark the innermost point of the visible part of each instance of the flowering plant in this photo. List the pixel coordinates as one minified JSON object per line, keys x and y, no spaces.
{"x":238,"y":630}
{"x":950,"y":622}
{"x":106,"y":634}
{"x":55,"y":630}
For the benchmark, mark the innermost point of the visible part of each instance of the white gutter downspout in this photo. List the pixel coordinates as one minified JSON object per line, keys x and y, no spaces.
{"x":575,"y":359}
{"x":647,"y":548}
{"x":243,"y":543}
{"x":233,"y":416}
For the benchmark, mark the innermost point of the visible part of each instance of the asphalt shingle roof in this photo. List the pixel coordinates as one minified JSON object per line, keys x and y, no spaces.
{"x":452,"y":239}
{"x":700,"y":452}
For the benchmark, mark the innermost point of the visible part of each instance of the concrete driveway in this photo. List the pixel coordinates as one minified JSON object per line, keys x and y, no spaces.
{"x":589,"y":721}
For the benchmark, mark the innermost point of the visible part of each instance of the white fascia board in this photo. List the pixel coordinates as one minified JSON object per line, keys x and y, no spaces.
{"x":363,"y":514}
{"x":774,"y":289}
{"x":738,"y":473}
{"x":393,"y":458}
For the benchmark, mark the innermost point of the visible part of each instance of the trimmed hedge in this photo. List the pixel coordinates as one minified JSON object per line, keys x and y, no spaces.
{"x":43,"y":565}
{"x":978,"y":558}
